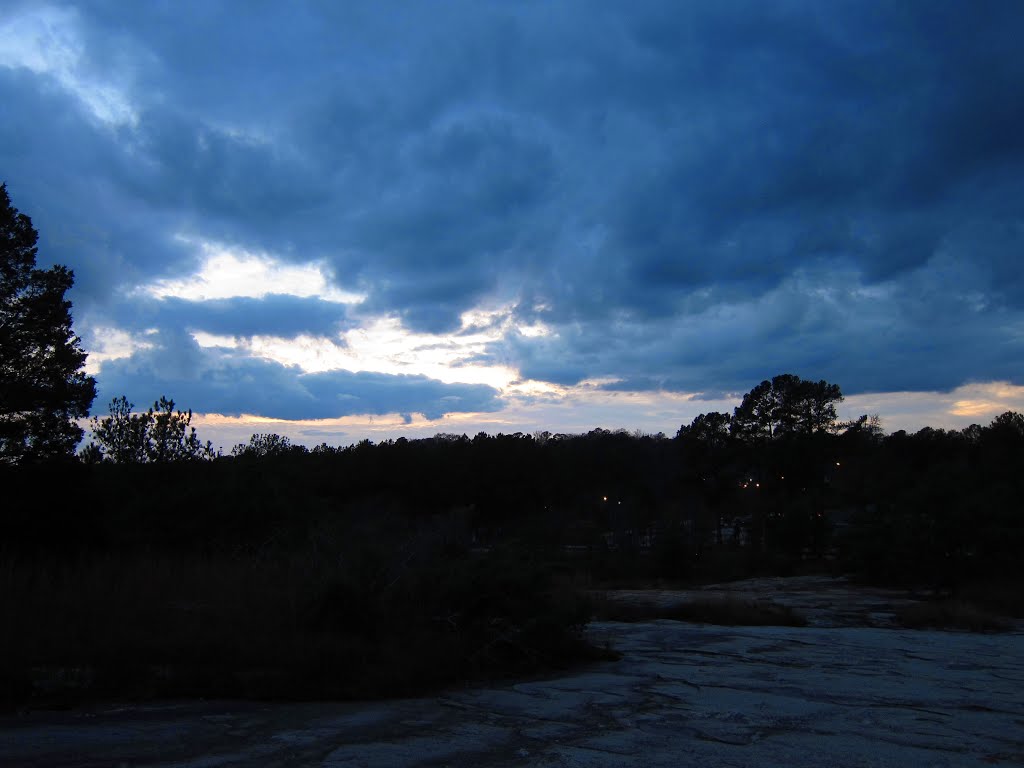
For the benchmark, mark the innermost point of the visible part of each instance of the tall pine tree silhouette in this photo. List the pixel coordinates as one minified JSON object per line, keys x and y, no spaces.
{"x":43,"y":387}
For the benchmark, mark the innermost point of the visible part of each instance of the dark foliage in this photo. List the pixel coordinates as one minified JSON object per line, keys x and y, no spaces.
{"x":724,"y":610}
{"x":43,"y":388}
{"x":159,"y":435}
{"x":363,"y":607}
{"x":786,"y":405}
{"x":951,"y":614}
{"x":260,"y":446}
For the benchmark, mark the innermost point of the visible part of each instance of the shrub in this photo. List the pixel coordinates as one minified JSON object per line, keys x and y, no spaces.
{"x":1004,"y":597}
{"x":950,"y":614}
{"x":727,"y":610}
{"x":369,"y":617}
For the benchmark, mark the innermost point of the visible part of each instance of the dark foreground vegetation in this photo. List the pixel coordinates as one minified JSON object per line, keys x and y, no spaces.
{"x":339,"y":606}
{"x":951,"y":613}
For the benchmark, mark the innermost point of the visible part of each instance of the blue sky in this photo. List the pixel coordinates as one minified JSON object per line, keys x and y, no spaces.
{"x":364,"y":219}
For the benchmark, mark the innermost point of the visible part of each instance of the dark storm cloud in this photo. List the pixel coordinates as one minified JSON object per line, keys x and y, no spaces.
{"x":271,"y":315}
{"x":691,"y":196}
{"x":71,"y":176}
{"x":214,"y":380}
{"x":460,"y":221}
{"x":817,"y":325}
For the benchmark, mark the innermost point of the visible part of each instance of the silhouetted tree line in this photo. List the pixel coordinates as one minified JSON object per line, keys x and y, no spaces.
{"x":778,"y":485}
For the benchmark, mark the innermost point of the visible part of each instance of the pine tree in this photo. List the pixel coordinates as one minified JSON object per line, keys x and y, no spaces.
{"x":786,"y":405}
{"x":43,"y":387}
{"x":161,"y":434}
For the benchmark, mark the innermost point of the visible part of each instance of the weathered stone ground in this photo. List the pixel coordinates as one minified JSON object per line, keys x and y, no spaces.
{"x":848,"y":690}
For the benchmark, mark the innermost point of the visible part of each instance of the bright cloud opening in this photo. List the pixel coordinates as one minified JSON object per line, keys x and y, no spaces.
{"x":380,"y":345}
{"x":230,"y":272}
{"x":986,"y":401}
{"x":384,"y":346}
{"x":208,"y":340}
{"x":105,"y":343}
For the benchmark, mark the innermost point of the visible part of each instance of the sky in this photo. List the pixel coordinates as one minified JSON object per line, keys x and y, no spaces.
{"x":340,"y":221}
